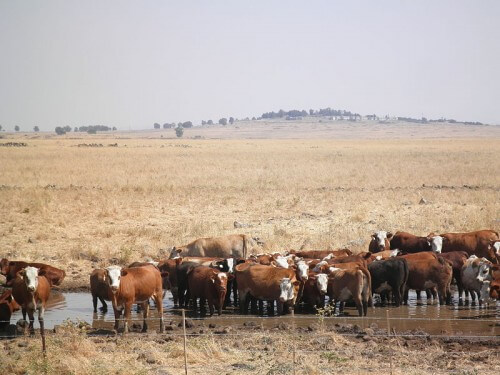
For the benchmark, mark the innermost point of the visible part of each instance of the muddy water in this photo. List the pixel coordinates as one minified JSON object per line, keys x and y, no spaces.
{"x":430,"y":318}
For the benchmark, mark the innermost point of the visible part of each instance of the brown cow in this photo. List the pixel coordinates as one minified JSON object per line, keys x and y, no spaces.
{"x":7,"y":306}
{"x":457,"y":260}
{"x":266,"y":283}
{"x":409,"y":243}
{"x":473,"y":243}
{"x":344,"y":284}
{"x":380,"y":242}
{"x":208,"y":284}
{"x":427,"y":271}
{"x":314,"y":289}
{"x":363,"y":258}
{"x":99,"y":288}
{"x":234,"y":245}
{"x":31,"y":290}
{"x":134,"y":285}
{"x":320,"y":254}
{"x":169,"y":266}
{"x":10,"y":269}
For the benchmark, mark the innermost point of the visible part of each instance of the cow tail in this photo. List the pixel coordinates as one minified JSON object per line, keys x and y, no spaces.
{"x":244,"y":246}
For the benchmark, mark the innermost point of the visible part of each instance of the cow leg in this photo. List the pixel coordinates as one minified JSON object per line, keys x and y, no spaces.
{"x":145,"y":307}
{"x":126,"y":317}
{"x":31,"y":316}
{"x":279,"y":307}
{"x":159,"y":308}
{"x":359,"y":305}
{"x":118,"y":314}
{"x":396,"y":292}
{"x":24,"y":313}
{"x":442,"y":293}
{"x":94,"y":302}
{"x":41,"y":311}
{"x":104,"y":307}
{"x":211,"y":305}
{"x":460,"y":288}
{"x":235,"y":293}
{"x":261,"y":307}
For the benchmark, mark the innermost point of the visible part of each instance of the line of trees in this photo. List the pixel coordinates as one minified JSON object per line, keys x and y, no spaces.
{"x":91,"y":129}
{"x":303,"y":113}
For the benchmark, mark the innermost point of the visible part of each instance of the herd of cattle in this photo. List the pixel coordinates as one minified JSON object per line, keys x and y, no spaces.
{"x":212,"y":269}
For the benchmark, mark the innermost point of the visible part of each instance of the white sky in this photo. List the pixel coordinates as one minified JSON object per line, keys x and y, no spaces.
{"x":132,"y":63}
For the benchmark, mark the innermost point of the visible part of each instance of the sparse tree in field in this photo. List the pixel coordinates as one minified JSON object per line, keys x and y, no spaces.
{"x":16,"y":128}
{"x":114,"y":128}
{"x":166,"y":125}
{"x":67,"y":128}
{"x":92,"y":130}
{"x":60,"y":131}
{"x":187,"y":124}
{"x":1,"y":127}
{"x":179,"y":131}
{"x":75,"y":129}
{"x":231,"y":120}
{"x":36,"y":129}
{"x":156,"y":125}
{"x":253,"y":118}
{"x":210,"y":122}
{"x":223,"y":121}
{"x":203,"y":122}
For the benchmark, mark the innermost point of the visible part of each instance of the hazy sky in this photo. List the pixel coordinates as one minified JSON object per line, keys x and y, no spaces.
{"x":132,"y":63}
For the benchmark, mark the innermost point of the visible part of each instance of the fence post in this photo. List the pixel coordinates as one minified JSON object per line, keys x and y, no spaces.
{"x":184,"y":330}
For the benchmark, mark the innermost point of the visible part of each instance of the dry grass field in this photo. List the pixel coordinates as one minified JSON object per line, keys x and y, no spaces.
{"x":81,"y":207}
{"x":78,"y":207}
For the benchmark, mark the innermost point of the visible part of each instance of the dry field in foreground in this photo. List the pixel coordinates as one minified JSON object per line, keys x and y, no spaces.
{"x":78,"y":207}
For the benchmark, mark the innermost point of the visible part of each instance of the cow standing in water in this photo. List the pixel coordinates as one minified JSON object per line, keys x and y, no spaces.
{"x":31,"y":291}
{"x":134,"y":285}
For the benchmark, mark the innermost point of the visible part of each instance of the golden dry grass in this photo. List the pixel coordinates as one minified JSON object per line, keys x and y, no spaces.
{"x":78,"y":207}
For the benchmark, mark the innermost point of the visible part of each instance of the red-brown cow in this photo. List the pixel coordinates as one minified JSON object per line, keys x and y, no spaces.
{"x":10,"y":269}
{"x":134,"y":285}
{"x":7,"y":306}
{"x":344,"y":284}
{"x":427,"y":271}
{"x":457,"y":260}
{"x":31,"y":290}
{"x":266,"y":283}
{"x":473,"y":243}
{"x":208,"y":284}
{"x":409,"y":243}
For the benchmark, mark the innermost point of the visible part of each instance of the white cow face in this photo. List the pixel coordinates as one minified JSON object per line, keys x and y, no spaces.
{"x":286,"y":290}
{"x":380,"y":237}
{"x":484,"y":270}
{"x":30,"y":276}
{"x":282,"y":261}
{"x":303,"y":269}
{"x":230,"y":265}
{"x":436,"y":243}
{"x":496,"y":246}
{"x":114,"y":275}
{"x":322,"y":282}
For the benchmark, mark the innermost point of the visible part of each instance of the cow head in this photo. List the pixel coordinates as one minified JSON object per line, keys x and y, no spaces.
{"x":380,"y":239}
{"x":494,"y":244}
{"x":281,"y":261}
{"x":287,"y":289}
{"x":4,"y":266}
{"x":302,"y":270}
{"x":495,"y":290}
{"x":319,"y":266}
{"x":114,"y":277}
{"x":484,"y":273}
{"x":436,"y":243}
{"x":219,"y":279}
{"x":485,"y":292}
{"x":322,"y":282}
{"x":30,"y":276}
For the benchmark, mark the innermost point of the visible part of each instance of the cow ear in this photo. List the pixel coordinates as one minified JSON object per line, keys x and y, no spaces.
{"x":124,"y":273}
{"x":178,"y":250}
{"x":42,"y":272}
{"x":389,"y":235}
{"x":296,"y":283}
{"x":367,"y":255}
{"x":274,"y":264}
{"x":164,"y":274}
{"x":373,"y":236}
{"x":178,"y":261}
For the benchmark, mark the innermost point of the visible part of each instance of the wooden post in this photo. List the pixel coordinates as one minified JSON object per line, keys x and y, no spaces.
{"x":388,"y":324}
{"x":184,"y":330}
